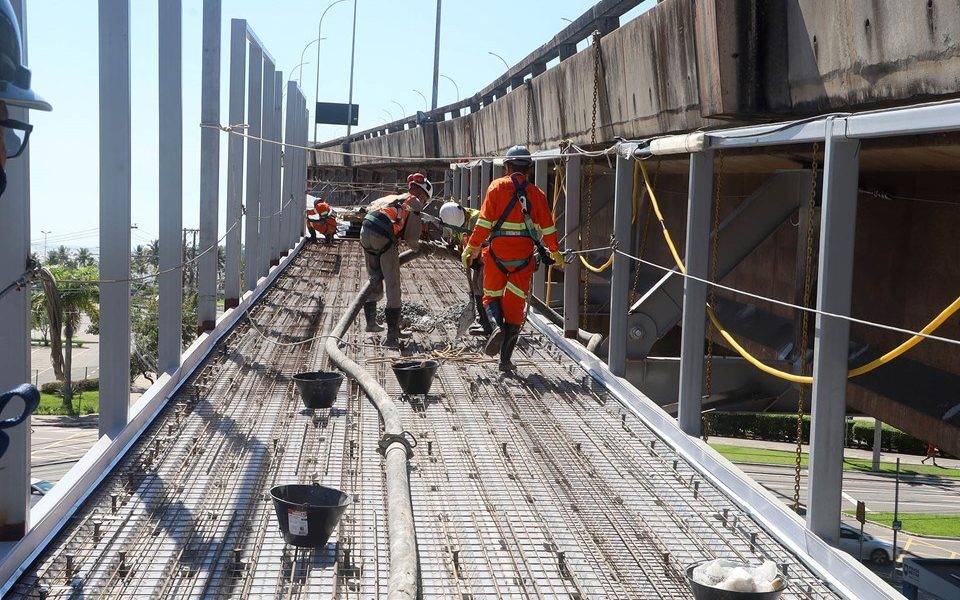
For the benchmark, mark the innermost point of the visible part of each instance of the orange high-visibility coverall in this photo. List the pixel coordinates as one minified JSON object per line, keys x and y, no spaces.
{"x":320,"y":219}
{"x":508,"y":261}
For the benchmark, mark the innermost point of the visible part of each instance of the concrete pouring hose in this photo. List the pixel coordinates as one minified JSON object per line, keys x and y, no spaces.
{"x":396,"y":450}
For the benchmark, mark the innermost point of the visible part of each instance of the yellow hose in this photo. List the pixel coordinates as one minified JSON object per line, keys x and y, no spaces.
{"x":932,"y":326}
{"x":594,"y":269}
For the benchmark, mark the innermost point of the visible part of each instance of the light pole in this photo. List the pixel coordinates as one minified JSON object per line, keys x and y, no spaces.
{"x":566,"y":19}
{"x":353,"y":47}
{"x":426,"y":106}
{"x":300,"y":74}
{"x":436,"y":59}
{"x":316,"y":92}
{"x":403,"y":111}
{"x":310,"y":43}
{"x":45,"y":234}
{"x":455,"y":86}
{"x":388,"y":114}
{"x":505,"y":63}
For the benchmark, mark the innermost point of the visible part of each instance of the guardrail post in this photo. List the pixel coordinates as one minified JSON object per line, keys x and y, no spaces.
{"x":571,"y":271}
{"x":115,"y":157}
{"x":15,"y":316}
{"x":540,"y":179}
{"x":238,"y":73}
{"x":838,"y":220}
{"x":694,"y":320}
{"x":289,"y":161}
{"x":620,"y":278}
{"x":251,"y":249}
{"x":209,"y":167}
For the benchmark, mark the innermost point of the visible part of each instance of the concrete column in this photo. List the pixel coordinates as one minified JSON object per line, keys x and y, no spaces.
{"x":115,"y":214}
{"x":837,"y":230}
{"x":238,"y":75}
{"x":209,"y":167}
{"x":571,"y":271}
{"x":455,"y":177}
{"x":620,"y":278}
{"x":170,"y":163}
{"x":475,"y":198}
{"x":465,"y":185}
{"x":266,"y":162}
{"x":15,"y":332}
{"x":694,"y":322}
{"x":275,"y":185}
{"x":877,"y":439}
{"x":540,"y":179}
{"x":251,"y":250}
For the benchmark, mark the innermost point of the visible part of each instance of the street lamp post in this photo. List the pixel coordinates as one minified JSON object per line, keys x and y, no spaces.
{"x":426,"y":106}
{"x":45,"y":234}
{"x":388,"y":113}
{"x":403,"y":111}
{"x":300,"y":74}
{"x":316,"y":92}
{"x":455,"y":86}
{"x":505,"y":63}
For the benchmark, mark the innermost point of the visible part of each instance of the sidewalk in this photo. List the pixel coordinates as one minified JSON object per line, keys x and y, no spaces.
{"x":907,"y":459}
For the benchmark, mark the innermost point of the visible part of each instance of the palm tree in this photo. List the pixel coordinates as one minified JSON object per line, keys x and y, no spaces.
{"x":76,"y":299}
{"x":60,"y":256}
{"x":84,"y":258}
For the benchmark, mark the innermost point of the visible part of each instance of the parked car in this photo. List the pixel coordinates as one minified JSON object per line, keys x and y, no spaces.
{"x":877,"y":551}
{"x":40,"y":486}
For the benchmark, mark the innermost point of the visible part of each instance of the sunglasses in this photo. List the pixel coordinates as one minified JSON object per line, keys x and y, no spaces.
{"x":15,"y":136}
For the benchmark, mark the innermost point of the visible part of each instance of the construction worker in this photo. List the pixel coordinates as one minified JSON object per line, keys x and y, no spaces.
{"x":516,"y":219}
{"x":14,"y":91}
{"x":320,"y":220}
{"x":460,"y":221}
{"x":388,"y":221}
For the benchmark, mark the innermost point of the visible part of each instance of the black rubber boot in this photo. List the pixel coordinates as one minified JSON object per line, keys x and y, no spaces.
{"x":511,"y":335}
{"x":394,"y":333}
{"x":370,"y":314}
{"x":495,"y":339}
{"x":482,"y":327}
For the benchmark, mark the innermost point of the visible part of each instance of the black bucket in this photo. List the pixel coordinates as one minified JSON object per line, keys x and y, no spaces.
{"x":705,"y":592}
{"x":318,"y":388}
{"x":308,"y":514}
{"x":416,"y":376}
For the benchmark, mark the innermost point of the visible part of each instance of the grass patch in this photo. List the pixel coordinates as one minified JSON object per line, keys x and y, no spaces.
{"x":784,"y":458}
{"x":920,"y":523}
{"x":85,"y":403}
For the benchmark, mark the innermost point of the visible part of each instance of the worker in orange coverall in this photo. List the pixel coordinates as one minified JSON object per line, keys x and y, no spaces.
{"x":320,"y":220}
{"x":516,"y":218}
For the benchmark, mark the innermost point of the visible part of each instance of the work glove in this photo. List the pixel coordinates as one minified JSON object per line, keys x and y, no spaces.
{"x":557,"y":259}
{"x":469,"y":253}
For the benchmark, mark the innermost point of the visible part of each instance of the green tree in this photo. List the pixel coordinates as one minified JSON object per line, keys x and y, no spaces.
{"x":84,"y":258}
{"x":60,"y":256}
{"x":76,"y":300}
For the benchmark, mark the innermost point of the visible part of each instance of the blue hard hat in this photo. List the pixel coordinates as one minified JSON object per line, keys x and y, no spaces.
{"x":519,"y":156}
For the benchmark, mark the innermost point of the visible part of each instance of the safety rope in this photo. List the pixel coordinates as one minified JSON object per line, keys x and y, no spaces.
{"x":915,"y":339}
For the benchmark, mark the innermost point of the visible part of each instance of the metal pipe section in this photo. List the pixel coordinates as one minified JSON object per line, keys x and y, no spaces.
{"x":209,"y":167}
{"x":620,"y":276}
{"x":841,"y":169}
{"x":254,"y":119}
{"x":170,"y":164}
{"x":540,"y":179}
{"x":571,"y":271}
{"x":694,"y":320}
{"x":404,"y":563}
{"x":238,"y":74}
{"x":15,"y":333}
{"x":115,"y":157}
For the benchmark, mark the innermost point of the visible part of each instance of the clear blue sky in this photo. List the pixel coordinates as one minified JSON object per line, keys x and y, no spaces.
{"x":394,"y":56}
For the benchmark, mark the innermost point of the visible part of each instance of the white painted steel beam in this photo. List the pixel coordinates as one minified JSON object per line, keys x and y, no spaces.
{"x":838,"y":220}
{"x":571,"y":271}
{"x":251,"y":236}
{"x":620,"y":277}
{"x":465,"y":185}
{"x":170,"y":163}
{"x":540,"y":179}
{"x":289,"y":162}
{"x":238,"y":76}
{"x":275,"y":170}
{"x":115,"y":157}
{"x":15,"y":316}
{"x":266,"y":166}
{"x":209,"y":167}
{"x":475,"y":191}
{"x":694,"y":320}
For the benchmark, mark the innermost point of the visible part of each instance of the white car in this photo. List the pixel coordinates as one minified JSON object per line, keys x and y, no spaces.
{"x":877,"y":551}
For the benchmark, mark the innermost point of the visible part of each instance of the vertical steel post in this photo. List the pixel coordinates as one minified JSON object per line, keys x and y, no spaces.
{"x":475,"y":198}
{"x":694,"y":323}
{"x":620,"y":278}
{"x":266,"y":162}
{"x":465,"y":185}
{"x":353,"y":48}
{"x":877,"y":439}
{"x":275,"y":185}
{"x":448,"y":184}
{"x":831,"y":347}
{"x":251,"y":250}
{"x":238,"y":74}
{"x":486,"y":170}
{"x":540,"y":179}
{"x":170,"y":163}
{"x":497,"y":170}
{"x":436,"y":60}
{"x":15,"y":332}
{"x":209,"y":167}
{"x":571,"y":271}
{"x":455,"y":175}
{"x":290,"y":134}
{"x":115,"y":161}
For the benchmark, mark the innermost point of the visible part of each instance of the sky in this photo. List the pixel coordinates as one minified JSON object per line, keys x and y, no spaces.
{"x":394,"y":57}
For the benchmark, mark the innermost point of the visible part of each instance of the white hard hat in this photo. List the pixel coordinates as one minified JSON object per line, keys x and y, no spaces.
{"x":451,"y":214}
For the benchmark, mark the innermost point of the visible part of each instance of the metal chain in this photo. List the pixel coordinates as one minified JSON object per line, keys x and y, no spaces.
{"x":647,"y":218}
{"x":708,"y":384}
{"x":585,"y":240}
{"x":804,"y":324}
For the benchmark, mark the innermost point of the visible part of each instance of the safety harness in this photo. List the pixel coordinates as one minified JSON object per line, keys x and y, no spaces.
{"x":383,"y":224}
{"x":527,"y":230}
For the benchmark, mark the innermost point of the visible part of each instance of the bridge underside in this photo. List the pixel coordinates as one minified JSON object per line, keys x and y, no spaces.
{"x":540,"y":486}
